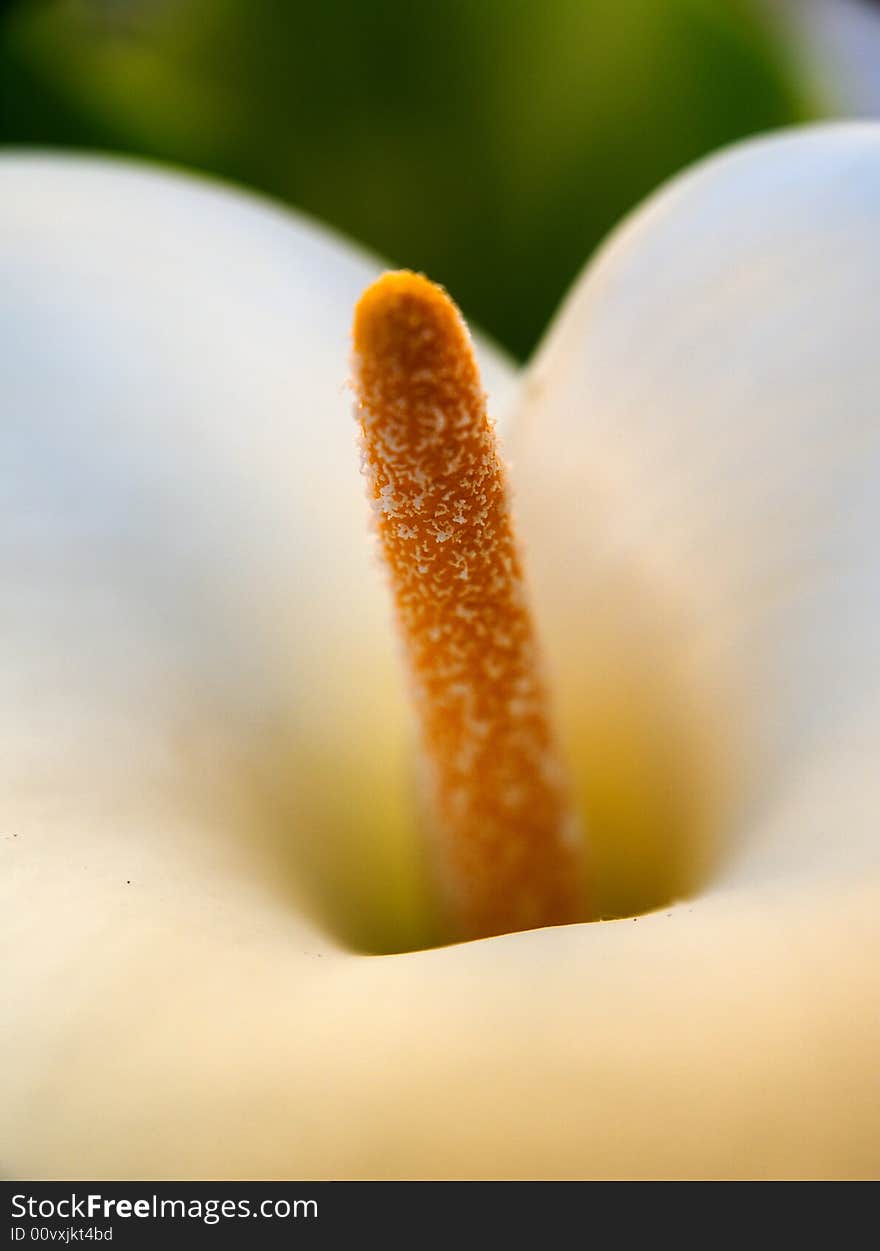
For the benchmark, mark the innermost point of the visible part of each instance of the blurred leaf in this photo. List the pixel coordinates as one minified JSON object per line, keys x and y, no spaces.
{"x":490,"y":143}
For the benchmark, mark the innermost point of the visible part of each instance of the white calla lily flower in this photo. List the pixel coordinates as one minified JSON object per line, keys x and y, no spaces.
{"x":204,"y":745}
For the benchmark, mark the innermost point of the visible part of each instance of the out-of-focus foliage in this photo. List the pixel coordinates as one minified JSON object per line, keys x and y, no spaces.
{"x":490,"y":143}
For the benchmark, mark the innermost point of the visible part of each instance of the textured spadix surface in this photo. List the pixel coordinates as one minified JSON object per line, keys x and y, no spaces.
{"x":200,"y":699}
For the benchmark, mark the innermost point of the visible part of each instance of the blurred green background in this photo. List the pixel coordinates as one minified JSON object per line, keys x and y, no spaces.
{"x":490,"y":143}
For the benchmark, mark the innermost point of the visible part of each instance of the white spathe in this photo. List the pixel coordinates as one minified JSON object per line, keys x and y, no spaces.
{"x":699,"y":445}
{"x":198,"y":673}
{"x":186,"y":522}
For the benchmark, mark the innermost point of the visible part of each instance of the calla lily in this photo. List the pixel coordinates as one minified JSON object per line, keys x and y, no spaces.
{"x":205,"y":746}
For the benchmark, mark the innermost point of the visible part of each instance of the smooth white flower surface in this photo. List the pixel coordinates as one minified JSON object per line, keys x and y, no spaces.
{"x":204,"y":748}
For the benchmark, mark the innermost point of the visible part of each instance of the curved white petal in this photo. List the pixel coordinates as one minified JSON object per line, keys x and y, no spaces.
{"x":185,"y":534}
{"x":699,"y":465}
{"x":173,"y":1013}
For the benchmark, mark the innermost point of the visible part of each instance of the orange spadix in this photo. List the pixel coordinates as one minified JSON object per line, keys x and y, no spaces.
{"x":504,"y":836}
